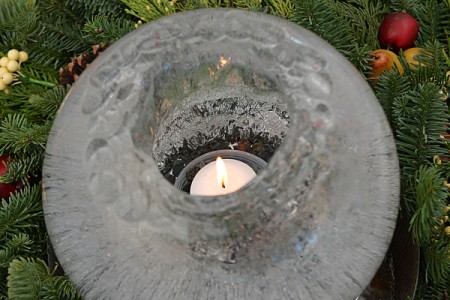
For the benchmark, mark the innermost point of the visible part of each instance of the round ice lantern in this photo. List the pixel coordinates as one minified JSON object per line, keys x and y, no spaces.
{"x":314,"y":223}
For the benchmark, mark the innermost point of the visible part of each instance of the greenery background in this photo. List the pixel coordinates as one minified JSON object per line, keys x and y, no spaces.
{"x":61,"y":36}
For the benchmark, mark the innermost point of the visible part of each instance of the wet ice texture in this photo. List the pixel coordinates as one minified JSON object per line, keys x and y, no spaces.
{"x":314,"y":225}
{"x":224,"y":107}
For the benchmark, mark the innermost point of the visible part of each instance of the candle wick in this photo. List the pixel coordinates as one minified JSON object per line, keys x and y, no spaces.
{"x":223,"y":182}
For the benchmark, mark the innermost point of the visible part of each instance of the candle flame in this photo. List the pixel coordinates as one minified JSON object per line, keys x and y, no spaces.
{"x":223,"y":61}
{"x":222,"y":177}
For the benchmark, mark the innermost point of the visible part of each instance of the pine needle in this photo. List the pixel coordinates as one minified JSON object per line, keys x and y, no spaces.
{"x":431,"y":195}
{"x":19,"y":135}
{"x":22,"y":213}
{"x":31,"y":279}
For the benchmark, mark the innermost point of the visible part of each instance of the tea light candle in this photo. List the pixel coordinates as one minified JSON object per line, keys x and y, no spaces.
{"x":221,"y":177}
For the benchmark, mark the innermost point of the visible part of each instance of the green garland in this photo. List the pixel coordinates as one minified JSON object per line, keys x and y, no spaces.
{"x":53,"y":31}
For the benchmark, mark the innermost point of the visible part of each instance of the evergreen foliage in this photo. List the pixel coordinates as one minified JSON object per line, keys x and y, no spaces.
{"x":430,"y":201}
{"x":22,"y":213}
{"x":24,"y":168}
{"x":19,"y":244}
{"x":22,"y":230}
{"x":87,"y":9}
{"x":419,"y":116}
{"x":17,"y":14}
{"x":433,"y":16}
{"x":60,"y":31}
{"x":43,"y":106}
{"x":436,"y":263}
{"x":105,"y":29}
{"x":21,"y":136}
{"x":150,"y":10}
{"x":390,"y":87}
{"x":31,"y":279}
{"x":350,"y":26}
{"x":53,"y":31}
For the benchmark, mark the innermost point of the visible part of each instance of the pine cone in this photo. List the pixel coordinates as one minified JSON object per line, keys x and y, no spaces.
{"x":78,"y":64}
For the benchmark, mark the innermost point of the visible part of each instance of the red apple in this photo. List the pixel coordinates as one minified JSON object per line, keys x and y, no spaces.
{"x":398,"y":31}
{"x":6,"y":188}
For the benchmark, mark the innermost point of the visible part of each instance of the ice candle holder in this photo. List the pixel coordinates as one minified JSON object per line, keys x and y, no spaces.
{"x":314,"y":224}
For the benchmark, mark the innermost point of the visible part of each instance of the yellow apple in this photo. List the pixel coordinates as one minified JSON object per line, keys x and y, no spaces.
{"x":412,"y":56}
{"x":383,"y":60}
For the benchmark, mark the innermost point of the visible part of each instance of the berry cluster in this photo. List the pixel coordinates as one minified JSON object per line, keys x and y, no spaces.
{"x":10,"y":64}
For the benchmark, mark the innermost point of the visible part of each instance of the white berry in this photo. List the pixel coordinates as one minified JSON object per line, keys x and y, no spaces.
{"x":4,"y":61}
{"x":12,"y":66}
{"x":6,"y":78}
{"x":2,"y":86}
{"x":13,"y":54}
{"x":3,"y":70}
{"x":23,"y":56}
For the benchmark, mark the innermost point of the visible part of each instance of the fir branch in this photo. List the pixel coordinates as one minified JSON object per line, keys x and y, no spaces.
{"x":61,"y":23}
{"x":18,"y":23}
{"x":391,"y":86}
{"x":59,"y":287}
{"x":360,"y":58}
{"x":11,"y":39}
{"x":31,"y":279}
{"x":365,"y":17}
{"x":323,"y":18}
{"x":150,"y":10}
{"x":281,"y":8}
{"x":199,"y":4}
{"x":20,"y":92}
{"x":437,"y":262}
{"x":106,"y":29}
{"x":23,"y":213}
{"x":44,"y":106}
{"x":420,"y":118}
{"x":254,"y":5}
{"x":23,"y":168}
{"x":430,"y":195}
{"x":433,"y":17}
{"x":22,"y":230}
{"x":78,"y":12}
{"x":432,"y":64}
{"x":54,"y":42}
{"x":406,"y":5}
{"x":49,"y":9}
{"x":91,"y":8}
{"x":19,"y":244}
{"x":17,"y":15}
{"x":431,"y":290}
{"x":26,"y":278}
{"x":18,"y":135}
{"x":17,"y":98}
